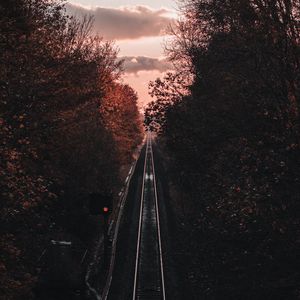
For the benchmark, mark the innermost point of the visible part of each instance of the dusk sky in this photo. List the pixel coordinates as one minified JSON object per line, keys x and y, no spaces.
{"x":139,"y":30}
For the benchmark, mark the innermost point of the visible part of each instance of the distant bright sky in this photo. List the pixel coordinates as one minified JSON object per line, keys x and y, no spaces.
{"x":138,"y":28}
{"x":117,"y":3}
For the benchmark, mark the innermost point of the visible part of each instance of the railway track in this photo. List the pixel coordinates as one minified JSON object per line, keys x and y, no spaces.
{"x":149,"y":283}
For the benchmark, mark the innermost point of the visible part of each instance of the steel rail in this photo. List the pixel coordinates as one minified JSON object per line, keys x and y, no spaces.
{"x":140,"y":224}
{"x":149,"y":161}
{"x":158,"y":227}
{"x":105,"y":292}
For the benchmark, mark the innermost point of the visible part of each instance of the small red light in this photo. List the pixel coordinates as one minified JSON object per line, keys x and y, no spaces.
{"x":105,"y":209}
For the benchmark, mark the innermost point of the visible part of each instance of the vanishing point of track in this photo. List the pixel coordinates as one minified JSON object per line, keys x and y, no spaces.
{"x":149,"y":283}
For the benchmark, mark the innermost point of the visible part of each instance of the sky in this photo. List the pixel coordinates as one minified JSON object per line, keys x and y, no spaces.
{"x":139,"y":29}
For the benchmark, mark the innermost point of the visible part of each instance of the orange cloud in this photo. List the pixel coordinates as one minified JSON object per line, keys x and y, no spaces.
{"x":135,"y":64}
{"x":125,"y":23}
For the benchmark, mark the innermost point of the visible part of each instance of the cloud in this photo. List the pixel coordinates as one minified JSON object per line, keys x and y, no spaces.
{"x":135,"y":64}
{"x":125,"y":23}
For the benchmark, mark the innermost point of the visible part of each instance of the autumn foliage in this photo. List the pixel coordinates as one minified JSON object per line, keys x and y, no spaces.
{"x":66,"y":127}
{"x":232,"y":135}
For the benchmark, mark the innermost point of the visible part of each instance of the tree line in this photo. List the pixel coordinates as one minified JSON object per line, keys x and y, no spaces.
{"x":67,"y":126}
{"x":228,"y":117}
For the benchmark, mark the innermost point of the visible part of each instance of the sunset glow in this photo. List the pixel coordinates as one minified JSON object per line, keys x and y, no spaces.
{"x":139,"y":29}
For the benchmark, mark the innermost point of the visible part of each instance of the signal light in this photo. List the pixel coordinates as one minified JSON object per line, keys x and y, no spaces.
{"x":100,"y":204}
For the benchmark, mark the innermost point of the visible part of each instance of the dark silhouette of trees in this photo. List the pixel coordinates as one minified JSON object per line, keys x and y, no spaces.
{"x":55,"y":144}
{"x":233,"y":141}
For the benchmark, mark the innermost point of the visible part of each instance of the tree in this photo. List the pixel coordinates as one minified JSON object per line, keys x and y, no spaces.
{"x":55,"y":146}
{"x":167,"y":92}
{"x":233,"y":142}
{"x":120,"y":115}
